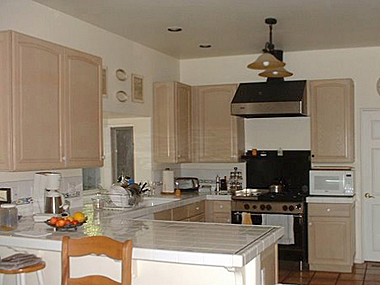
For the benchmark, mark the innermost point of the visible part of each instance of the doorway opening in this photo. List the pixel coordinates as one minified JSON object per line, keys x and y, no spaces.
{"x":122,"y":150}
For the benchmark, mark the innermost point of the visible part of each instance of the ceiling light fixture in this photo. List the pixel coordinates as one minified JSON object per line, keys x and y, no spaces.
{"x":174,"y":29}
{"x":271,"y":59}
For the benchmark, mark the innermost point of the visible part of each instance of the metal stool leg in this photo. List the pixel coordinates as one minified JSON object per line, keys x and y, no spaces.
{"x":1,"y":279}
{"x":18,"y":279}
{"x":40,"y":277}
{"x":23,"y":279}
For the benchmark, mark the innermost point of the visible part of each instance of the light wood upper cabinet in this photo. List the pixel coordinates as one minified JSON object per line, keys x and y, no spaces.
{"x":84,"y":110}
{"x":217,"y":135}
{"x":171,"y":122}
{"x":37,"y":103}
{"x":331,"y":235}
{"x":5,"y":101}
{"x":51,"y":106}
{"x":332,"y":120}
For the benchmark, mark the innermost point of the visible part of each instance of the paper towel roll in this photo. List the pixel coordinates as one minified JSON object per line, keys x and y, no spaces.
{"x":167,"y":181}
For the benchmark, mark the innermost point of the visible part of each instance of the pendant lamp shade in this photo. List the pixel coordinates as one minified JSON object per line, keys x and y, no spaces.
{"x":279,"y":72}
{"x":266,"y":61}
{"x":271,"y":59}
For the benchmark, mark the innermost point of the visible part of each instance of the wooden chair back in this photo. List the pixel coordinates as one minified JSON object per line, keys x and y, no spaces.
{"x":96,"y":245}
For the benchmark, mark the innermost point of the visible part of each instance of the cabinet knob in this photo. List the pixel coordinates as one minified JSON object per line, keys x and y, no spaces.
{"x":197,"y":208}
{"x":64,"y":158}
{"x":328,"y":209}
{"x":310,"y":223}
{"x":103,"y":157}
{"x":221,"y":206}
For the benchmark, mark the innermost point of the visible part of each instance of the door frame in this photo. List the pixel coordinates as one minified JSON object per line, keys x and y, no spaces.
{"x":360,"y":194}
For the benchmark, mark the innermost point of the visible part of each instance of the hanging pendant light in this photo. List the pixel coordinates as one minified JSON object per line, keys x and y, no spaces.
{"x":279,"y":72}
{"x":266,"y":61}
{"x":269,"y":60}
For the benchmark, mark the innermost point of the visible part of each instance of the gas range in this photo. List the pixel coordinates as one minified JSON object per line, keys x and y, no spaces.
{"x":261,"y":207}
{"x":263,"y":201}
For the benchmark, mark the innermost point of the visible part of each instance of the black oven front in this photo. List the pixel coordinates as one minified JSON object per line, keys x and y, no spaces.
{"x":296,"y":251}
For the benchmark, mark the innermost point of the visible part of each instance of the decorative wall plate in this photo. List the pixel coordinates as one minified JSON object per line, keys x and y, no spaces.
{"x":121,"y":74}
{"x":122,"y":96}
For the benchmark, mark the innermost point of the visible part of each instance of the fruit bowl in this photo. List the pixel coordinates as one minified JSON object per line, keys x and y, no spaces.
{"x":68,"y":226}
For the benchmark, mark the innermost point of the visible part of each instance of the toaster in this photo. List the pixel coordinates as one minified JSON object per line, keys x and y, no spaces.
{"x":187,"y":183}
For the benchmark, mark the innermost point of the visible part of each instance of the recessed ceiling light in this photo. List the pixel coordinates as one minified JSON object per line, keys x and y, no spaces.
{"x":205,"y":46}
{"x":174,"y":29}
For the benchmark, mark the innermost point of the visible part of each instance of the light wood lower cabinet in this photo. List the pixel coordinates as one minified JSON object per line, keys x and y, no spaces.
{"x":194,"y":212}
{"x":332,"y":120}
{"x":218,"y":211}
{"x":217,"y":135}
{"x":51,"y":111}
{"x":331,"y":234}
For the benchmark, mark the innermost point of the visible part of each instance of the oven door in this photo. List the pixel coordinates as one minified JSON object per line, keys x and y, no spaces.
{"x":237,"y":218}
{"x":297,"y":251}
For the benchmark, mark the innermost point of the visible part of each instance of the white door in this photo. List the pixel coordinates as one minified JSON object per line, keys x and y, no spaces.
{"x":370,"y":168}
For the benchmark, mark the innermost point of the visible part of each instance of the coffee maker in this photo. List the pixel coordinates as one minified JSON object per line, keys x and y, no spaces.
{"x":46,"y":195}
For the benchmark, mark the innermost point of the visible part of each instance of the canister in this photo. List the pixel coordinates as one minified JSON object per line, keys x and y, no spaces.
{"x":8,"y":217}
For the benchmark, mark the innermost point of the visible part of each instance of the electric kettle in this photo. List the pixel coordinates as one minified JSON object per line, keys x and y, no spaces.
{"x":54,"y":202}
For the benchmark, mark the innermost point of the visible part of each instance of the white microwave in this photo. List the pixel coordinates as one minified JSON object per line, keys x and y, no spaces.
{"x":332,"y":183}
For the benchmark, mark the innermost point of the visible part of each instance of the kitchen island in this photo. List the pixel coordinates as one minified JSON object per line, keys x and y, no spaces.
{"x":165,"y":252}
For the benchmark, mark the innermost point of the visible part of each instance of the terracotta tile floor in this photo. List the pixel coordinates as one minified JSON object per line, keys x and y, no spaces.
{"x":367,"y":273}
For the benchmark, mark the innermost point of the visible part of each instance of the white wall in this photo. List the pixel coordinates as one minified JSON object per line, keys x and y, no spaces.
{"x":42,"y":22}
{"x":360,"y":64}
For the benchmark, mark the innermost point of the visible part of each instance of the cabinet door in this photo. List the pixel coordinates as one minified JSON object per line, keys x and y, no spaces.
{"x":37,"y":104}
{"x":5,"y":99}
{"x":329,"y":241}
{"x":165,"y":215}
{"x":171,"y":122}
{"x":164,"y":130}
{"x":332,"y":120}
{"x":83,"y":120}
{"x":218,"y":136}
{"x":183,"y":120}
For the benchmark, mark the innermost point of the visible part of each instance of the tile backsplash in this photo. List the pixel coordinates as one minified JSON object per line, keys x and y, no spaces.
{"x":22,"y":185}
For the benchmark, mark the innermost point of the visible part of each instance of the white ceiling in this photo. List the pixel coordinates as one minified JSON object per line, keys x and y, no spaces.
{"x":232,"y":27}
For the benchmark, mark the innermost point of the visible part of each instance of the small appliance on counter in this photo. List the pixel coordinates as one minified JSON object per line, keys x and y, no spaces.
{"x":46,"y":195}
{"x":187,"y":183}
{"x":332,"y":182}
{"x":167,"y":181}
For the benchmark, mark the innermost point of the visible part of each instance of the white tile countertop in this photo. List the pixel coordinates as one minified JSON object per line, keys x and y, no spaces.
{"x":211,"y":244}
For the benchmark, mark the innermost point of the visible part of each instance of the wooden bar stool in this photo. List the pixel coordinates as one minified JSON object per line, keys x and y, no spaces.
{"x":98,"y":245}
{"x":20,"y":273}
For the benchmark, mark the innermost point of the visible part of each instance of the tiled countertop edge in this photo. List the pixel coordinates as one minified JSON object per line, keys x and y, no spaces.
{"x":255,"y":248}
{"x":332,"y":200}
{"x":196,"y":258}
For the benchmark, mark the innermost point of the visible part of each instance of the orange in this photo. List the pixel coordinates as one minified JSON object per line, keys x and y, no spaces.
{"x":79,"y":216}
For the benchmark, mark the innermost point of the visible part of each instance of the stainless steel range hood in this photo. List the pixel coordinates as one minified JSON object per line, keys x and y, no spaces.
{"x":275,"y":98}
